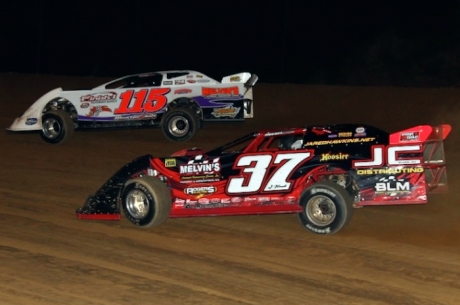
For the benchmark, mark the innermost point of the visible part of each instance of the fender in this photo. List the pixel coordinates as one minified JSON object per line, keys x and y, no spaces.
{"x":31,"y":119}
{"x":103,"y":204}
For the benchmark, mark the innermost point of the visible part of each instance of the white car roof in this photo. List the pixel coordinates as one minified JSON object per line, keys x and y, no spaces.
{"x":192,"y":72}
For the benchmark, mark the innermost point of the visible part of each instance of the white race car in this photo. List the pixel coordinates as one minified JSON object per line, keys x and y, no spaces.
{"x":177,"y":101}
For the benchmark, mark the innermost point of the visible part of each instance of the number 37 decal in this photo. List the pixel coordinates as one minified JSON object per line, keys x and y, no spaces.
{"x":255,"y":175}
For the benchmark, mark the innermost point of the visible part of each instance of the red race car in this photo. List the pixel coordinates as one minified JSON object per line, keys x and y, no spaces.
{"x":318,"y":172}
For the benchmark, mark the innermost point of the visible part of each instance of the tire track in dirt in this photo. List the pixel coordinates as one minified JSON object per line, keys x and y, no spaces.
{"x":269,"y":268}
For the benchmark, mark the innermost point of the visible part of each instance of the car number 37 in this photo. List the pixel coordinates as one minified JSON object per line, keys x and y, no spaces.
{"x":255,"y":175}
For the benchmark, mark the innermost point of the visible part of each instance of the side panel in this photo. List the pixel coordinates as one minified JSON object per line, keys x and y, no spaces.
{"x":391,"y":185}
{"x":118,"y":105}
{"x":219,"y":102}
{"x":222,"y":102}
{"x":237,"y":184}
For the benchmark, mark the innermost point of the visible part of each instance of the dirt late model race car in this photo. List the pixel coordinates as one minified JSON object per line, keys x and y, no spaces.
{"x":320,"y":173}
{"x":178,"y":101}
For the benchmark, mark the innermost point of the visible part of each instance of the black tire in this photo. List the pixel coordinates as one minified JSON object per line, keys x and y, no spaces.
{"x":326,"y":208}
{"x":180,"y":124}
{"x":146,"y":201}
{"x":57,"y":126}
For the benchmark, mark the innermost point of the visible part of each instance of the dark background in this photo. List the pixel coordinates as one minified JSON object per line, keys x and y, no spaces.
{"x":379,"y":43}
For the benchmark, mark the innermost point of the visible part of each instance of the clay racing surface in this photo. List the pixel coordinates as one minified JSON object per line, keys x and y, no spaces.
{"x":386,"y":255}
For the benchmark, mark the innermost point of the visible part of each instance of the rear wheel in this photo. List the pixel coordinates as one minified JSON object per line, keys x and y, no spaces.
{"x":146,"y":201}
{"x":326,"y":208}
{"x":180,"y":124}
{"x":57,"y":126}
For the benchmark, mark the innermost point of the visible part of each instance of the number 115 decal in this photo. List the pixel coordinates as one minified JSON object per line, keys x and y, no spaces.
{"x":254,"y":171}
{"x":154,"y":101}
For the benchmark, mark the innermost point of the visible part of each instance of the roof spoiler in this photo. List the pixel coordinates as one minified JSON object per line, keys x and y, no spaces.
{"x":420,"y":134}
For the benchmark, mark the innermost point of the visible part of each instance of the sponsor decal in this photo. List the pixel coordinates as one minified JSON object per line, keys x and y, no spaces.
{"x":340,"y":141}
{"x":190,"y":202}
{"x":390,"y":171}
{"x":409,"y":136}
{"x":199,"y":76}
{"x":236,"y":199}
{"x":142,"y":116}
{"x":333,"y":157}
{"x":277,"y":133}
{"x":263,"y":199}
{"x":392,"y":186}
{"x":316,"y":230}
{"x":183,"y":91}
{"x":290,"y":199}
{"x":96,"y":110}
{"x":179,"y":202}
{"x":200,"y":178}
{"x":229,"y":111}
{"x":215,"y":200}
{"x":235,"y":79}
{"x":360,"y":132}
{"x":103,"y":97}
{"x":331,"y":136}
{"x":170,"y":162}
{"x":220,"y":92}
{"x":197,"y":167}
{"x":246,"y":199}
{"x":200,"y":190}
{"x":205,"y":168}
{"x":345,"y":134}
{"x":191,"y":81}
{"x":84,"y":105}
{"x":168,"y":82}
{"x":179,"y":82}
{"x":392,"y":156}
{"x":189,"y":76}
{"x":31,"y":121}
{"x":322,"y":190}
{"x":225,"y":200}
{"x":203,"y":201}
{"x":202,"y":81}
{"x":273,"y":187}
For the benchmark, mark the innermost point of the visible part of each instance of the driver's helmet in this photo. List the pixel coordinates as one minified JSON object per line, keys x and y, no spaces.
{"x":286,"y":142}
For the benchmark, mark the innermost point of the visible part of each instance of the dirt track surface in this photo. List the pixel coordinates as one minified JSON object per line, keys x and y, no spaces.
{"x":386,"y":255}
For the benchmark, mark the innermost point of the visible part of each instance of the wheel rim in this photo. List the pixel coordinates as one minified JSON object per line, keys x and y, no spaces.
{"x":137,"y":204}
{"x":179,"y":126}
{"x":51,"y":128}
{"x":320,"y":210}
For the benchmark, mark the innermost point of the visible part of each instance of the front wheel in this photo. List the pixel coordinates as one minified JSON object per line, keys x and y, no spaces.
{"x":57,"y":126}
{"x":326,"y":208}
{"x":146,"y":201}
{"x":180,"y":124}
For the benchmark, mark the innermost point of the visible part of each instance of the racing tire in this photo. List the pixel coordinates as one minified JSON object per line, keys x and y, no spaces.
{"x":180,"y":124}
{"x":326,"y":208}
{"x":146,"y":201}
{"x":57,"y":126}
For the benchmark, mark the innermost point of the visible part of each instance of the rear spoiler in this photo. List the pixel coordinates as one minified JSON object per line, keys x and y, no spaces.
{"x":420,"y":134}
{"x":434,"y":161}
{"x":251,"y":81}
